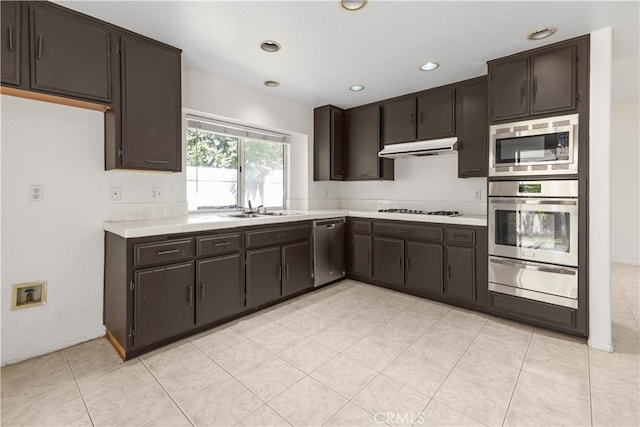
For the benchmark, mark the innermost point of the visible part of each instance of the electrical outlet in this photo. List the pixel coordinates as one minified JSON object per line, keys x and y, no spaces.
{"x":157,"y":193}
{"x":36,"y":193}
{"x":326,"y":193}
{"x":477,"y":194}
{"x":116,"y":193}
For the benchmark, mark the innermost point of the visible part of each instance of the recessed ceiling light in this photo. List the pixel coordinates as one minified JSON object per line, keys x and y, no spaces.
{"x":270,"y":46}
{"x":356,"y":88}
{"x":272,"y":83}
{"x":353,"y":4}
{"x":542,"y":33}
{"x":429,"y":66}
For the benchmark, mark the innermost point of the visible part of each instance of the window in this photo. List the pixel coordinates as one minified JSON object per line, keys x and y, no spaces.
{"x":229,"y":165}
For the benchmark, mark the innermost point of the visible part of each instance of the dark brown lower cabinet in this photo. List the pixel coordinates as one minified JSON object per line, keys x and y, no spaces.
{"x":219,"y":286}
{"x":388,"y":261}
{"x":424,"y":267}
{"x":460,"y":272}
{"x":296,"y":261}
{"x":164,"y":303}
{"x":360,"y":265}
{"x":264,"y":275}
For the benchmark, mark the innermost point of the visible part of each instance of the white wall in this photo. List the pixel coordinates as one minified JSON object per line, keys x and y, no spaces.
{"x":599,"y":190}
{"x":61,"y":239}
{"x":625,"y":183}
{"x":425,"y":183}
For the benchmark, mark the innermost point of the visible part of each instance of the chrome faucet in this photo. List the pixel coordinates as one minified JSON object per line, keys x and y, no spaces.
{"x":250,"y":208}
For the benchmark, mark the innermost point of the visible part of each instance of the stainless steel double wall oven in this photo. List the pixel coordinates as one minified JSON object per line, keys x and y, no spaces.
{"x":533,"y":223}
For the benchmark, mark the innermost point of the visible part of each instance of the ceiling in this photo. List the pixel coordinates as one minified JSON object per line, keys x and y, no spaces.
{"x":326,"y":49}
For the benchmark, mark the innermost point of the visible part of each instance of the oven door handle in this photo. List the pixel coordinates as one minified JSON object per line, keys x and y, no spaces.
{"x":528,"y":266}
{"x":568,"y":202}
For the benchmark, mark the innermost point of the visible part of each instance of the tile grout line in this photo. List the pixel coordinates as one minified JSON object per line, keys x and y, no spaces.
{"x":515,"y":386}
{"x":626,"y":301}
{"x":590,"y":391}
{"x":453,"y":368}
{"x":75,"y":379}
{"x":167,"y":393}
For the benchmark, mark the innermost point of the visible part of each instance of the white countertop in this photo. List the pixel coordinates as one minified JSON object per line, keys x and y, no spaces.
{"x":209,"y":221}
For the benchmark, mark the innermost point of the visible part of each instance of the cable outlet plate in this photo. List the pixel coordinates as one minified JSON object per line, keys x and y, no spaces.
{"x":36,"y":193}
{"x":116,"y":193}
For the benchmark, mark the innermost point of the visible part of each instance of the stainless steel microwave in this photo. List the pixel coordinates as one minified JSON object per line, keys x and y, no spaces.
{"x":547,"y":146}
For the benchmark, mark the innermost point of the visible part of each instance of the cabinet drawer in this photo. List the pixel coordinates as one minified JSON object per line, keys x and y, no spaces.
{"x":361,"y":227}
{"x":461,"y":235}
{"x":548,"y":314}
{"x":214,"y":245}
{"x":277,"y":236}
{"x":421,"y":232}
{"x":161,"y":252}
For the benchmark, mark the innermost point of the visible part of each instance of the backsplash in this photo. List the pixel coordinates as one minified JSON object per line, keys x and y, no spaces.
{"x":147,"y":211}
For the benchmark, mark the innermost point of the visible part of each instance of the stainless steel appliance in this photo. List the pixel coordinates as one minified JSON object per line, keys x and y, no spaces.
{"x":419,"y":212}
{"x":328,"y":250}
{"x":533,"y":240}
{"x":547,"y":146}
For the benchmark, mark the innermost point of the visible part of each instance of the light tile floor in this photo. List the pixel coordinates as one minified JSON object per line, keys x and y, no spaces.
{"x":346,"y":355}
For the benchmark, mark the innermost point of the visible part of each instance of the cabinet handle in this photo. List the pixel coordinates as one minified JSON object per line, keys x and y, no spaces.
{"x":221,"y":244}
{"x":279,"y":272}
{"x":522,"y":90}
{"x":411,"y":118}
{"x":10,"y":37}
{"x":404,"y":231}
{"x":449,"y":271}
{"x":281,"y":235}
{"x":535,"y":88}
{"x":400,"y":262}
{"x":286,"y":271}
{"x":190,"y":294}
{"x":464,"y":236}
{"x":172,"y":251}
{"x":473,"y":169}
{"x":202,"y":287}
{"x":408,"y":263}
{"x":157,"y":162}
{"x":40,"y":46}
{"x":368,"y":257}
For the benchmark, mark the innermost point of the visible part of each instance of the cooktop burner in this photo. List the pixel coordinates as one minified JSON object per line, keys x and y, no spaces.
{"x":413,"y":211}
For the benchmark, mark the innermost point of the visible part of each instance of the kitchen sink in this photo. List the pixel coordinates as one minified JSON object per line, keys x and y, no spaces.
{"x":243,"y":215}
{"x":278,"y":213}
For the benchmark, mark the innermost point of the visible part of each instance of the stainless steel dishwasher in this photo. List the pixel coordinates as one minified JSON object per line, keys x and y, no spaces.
{"x":328,"y":250}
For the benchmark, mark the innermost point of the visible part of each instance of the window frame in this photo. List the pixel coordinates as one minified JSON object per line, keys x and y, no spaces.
{"x":240,"y":172}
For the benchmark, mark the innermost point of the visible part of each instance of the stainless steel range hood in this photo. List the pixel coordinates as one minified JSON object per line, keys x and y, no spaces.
{"x":419,"y":148}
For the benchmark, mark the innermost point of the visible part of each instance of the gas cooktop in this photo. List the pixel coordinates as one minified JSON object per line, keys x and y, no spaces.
{"x":418,"y":212}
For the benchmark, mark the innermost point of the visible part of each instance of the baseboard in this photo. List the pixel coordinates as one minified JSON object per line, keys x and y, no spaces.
{"x":600,"y":346}
{"x":625,"y":262}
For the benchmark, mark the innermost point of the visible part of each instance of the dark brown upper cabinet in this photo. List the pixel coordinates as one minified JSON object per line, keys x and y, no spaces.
{"x":436,"y":113}
{"x":150,"y":104}
{"x":10,"y":60}
{"x":536,"y":82}
{"x":363,"y":145}
{"x":69,"y":55}
{"x":472,"y":128}
{"x":416,"y":117}
{"x":328,"y":144}
{"x":399,"y":120}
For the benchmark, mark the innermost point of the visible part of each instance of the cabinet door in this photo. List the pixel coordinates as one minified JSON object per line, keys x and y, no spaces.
{"x":553,"y":75}
{"x":361,"y":256}
{"x":436,"y":114}
{"x":10,"y":61}
{"x":472,"y":129}
{"x":151,"y":124}
{"x":296,"y":261}
{"x":508,"y":89}
{"x":164,"y":303}
{"x":363,"y":142}
{"x":70,"y":55}
{"x":264,"y":275}
{"x":399,"y":120}
{"x":461,"y":273}
{"x":424,"y":267}
{"x":338,"y":164}
{"x":220,"y":290}
{"x":388,"y":261}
